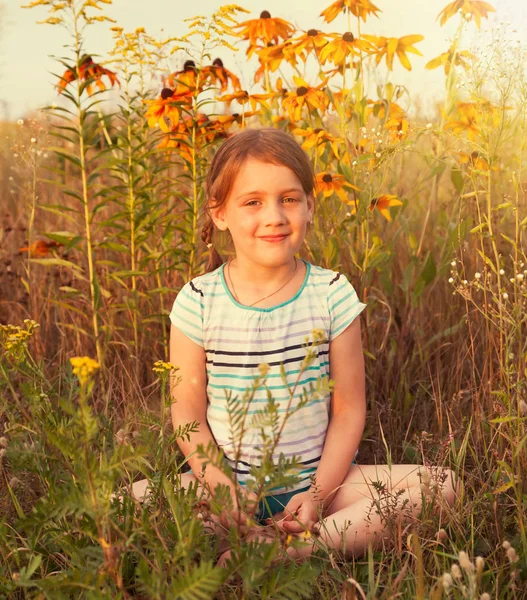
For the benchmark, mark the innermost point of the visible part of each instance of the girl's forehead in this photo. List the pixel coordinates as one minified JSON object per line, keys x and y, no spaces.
{"x":265,"y":174}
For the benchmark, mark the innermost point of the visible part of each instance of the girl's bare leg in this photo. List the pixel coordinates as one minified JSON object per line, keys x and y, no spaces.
{"x":374,"y":501}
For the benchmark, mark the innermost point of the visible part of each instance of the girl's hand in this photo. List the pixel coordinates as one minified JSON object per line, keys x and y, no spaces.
{"x":239,"y":516}
{"x":301,"y":508}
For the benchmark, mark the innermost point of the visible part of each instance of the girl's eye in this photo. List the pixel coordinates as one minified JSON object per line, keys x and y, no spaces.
{"x":250,"y":202}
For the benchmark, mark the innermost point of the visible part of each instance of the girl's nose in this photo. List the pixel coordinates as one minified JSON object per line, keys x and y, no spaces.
{"x":274,"y":214}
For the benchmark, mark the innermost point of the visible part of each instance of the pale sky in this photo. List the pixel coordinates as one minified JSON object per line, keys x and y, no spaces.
{"x":26,"y":82}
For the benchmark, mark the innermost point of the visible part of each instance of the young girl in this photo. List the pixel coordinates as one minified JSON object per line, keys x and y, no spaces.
{"x":258,"y":308}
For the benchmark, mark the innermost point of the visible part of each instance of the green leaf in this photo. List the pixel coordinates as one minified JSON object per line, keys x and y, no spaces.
{"x":429,"y":270}
{"x":457,"y":180}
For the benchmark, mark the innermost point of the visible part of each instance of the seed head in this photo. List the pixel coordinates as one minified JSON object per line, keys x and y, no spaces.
{"x":465,"y":563}
{"x":456,"y":571}
{"x":446,"y":581}
{"x":265,"y":14}
{"x":511,"y":555}
{"x":348,"y":36}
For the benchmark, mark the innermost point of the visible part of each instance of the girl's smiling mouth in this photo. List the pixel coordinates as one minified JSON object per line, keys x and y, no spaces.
{"x":274,"y":238}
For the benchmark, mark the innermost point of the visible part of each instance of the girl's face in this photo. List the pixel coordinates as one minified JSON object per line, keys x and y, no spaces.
{"x":265,"y":200}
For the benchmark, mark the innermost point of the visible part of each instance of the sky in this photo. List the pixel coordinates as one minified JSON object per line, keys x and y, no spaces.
{"x":26,"y":82}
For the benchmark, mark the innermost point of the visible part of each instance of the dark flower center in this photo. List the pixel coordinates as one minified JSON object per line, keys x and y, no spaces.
{"x":235,"y":115}
{"x":265,"y":14}
{"x":166,"y":93}
{"x":317,"y":130}
{"x":327,"y":178}
{"x":312,"y":32}
{"x":373,"y":202}
{"x":301,"y":91}
{"x":218,"y":62}
{"x":348,"y":36}
{"x":189,"y":65}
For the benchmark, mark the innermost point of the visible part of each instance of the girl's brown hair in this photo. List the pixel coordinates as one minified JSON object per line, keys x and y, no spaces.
{"x":268,"y":145}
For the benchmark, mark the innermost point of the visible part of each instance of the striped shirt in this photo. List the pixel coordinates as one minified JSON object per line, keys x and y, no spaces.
{"x":238,"y":338}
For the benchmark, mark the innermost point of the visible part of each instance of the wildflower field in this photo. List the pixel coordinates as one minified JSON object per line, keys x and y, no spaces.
{"x":101,"y":226}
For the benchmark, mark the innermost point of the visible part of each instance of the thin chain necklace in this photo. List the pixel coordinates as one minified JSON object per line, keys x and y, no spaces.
{"x":265,"y":297}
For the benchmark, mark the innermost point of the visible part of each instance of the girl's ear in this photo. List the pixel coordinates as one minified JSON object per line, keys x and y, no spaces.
{"x":217,"y":214}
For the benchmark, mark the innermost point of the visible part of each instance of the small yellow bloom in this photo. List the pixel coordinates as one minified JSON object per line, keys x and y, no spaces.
{"x":264,"y":369}
{"x":160,"y":366}
{"x":84,"y":367}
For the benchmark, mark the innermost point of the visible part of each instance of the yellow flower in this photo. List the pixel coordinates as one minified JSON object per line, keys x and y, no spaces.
{"x":329,"y":184}
{"x":218,"y":74}
{"x":389,"y":47}
{"x":382,"y":204}
{"x":84,"y":367}
{"x":160,"y":366}
{"x":14,"y":340}
{"x":165,"y":111}
{"x":318,"y":139}
{"x":476,"y":8}
{"x":360,"y":8}
{"x":312,"y":40}
{"x":343,"y":46}
{"x":242,"y":97}
{"x":304,"y":95}
{"x":447,"y":60}
{"x":265,"y":29}
{"x":263,"y":368}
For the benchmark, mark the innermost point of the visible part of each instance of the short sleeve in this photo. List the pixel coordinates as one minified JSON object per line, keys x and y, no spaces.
{"x":187,"y":312}
{"x":343,"y":303}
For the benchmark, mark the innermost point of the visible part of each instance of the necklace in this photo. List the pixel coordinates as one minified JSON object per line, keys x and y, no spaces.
{"x":265,"y":297}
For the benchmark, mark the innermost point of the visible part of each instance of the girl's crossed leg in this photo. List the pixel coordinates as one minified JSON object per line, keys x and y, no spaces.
{"x":374,"y":501}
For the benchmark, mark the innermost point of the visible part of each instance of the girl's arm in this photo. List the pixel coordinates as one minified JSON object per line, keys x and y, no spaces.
{"x":190,"y":404}
{"x":348,"y":412}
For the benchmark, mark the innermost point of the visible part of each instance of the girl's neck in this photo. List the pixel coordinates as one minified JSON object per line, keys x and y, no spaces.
{"x":252,"y":282}
{"x":254,"y":275}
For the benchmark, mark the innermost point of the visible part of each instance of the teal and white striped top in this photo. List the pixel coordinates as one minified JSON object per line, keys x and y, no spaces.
{"x":238,"y":338}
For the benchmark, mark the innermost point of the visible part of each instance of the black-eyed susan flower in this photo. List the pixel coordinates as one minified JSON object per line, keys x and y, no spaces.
{"x":165,"y":111}
{"x":360,"y":8}
{"x":318,"y":139}
{"x":40,"y":248}
{"x":389,"y":47}
{"x":475,"y":8}
{"x":382,"y":204}
{"x":312,"y":40}
{"x":394,"y":117}
{"x":475,"y":161}
{"x":217,"y":74}
{"x":304,"y":95}
{"x":468,"y":119}
{"x":328,"y":184}
{"x":449,"y":58}
{"x":224,"y":122}
{"x":273,"y":55}
{"x":90,"y":72}
{"x":266,"y":30}
{"x":186,"y":79}
{"x":342,"y":46}
{"x":243,"y":97}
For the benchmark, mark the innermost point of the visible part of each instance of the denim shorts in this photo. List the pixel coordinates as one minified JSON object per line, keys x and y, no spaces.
{"x":275,"y":503}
